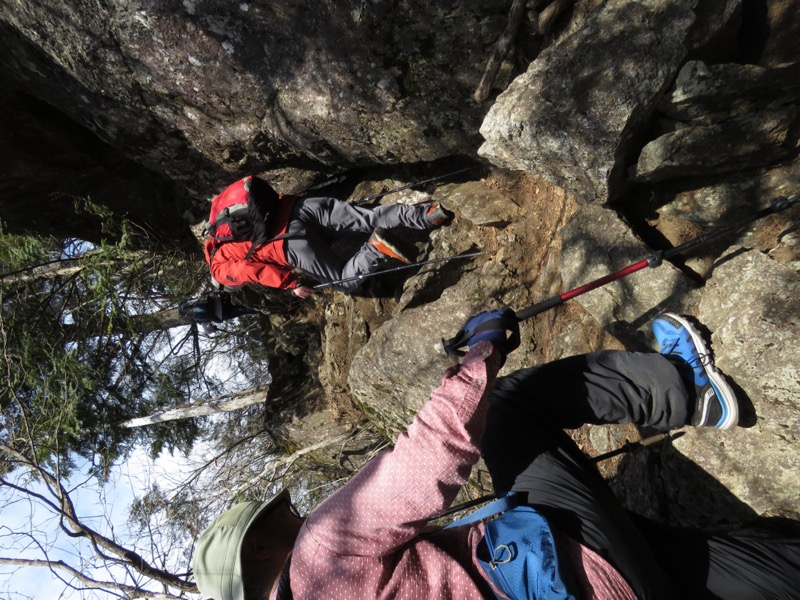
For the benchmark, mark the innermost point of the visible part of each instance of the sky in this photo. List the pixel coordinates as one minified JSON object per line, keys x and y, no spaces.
{"x":97,"y":505}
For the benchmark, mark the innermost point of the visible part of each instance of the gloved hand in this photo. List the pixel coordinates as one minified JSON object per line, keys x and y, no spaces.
{"x":302,"y":291}
{"x":500,"y":327}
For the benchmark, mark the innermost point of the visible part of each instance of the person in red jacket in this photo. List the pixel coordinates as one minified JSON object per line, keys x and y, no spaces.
{"x":303,"y":227}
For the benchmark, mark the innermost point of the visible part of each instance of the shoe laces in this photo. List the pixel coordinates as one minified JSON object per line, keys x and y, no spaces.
{"x":701,"y":360}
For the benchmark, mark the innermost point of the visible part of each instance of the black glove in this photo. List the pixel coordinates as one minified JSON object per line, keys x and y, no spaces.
{"x":500,"y":327}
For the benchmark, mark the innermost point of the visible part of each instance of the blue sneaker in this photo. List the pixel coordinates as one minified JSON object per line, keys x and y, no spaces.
{"x":678,"y":340}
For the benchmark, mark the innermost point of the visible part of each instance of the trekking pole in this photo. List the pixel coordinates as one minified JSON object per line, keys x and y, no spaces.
{"x":655,"y":260}
{"x":643,"y":443}
{"x":331,"y":181}
{"x":400,"y":268}
{"x":411,"y":185}
{"x":626,"y":448}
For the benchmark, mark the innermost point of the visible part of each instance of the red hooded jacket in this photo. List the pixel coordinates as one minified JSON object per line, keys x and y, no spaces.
{"x":267,"y":265}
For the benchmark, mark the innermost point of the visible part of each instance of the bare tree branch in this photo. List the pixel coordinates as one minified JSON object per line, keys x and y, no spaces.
{"x":73,"y":526}
{"x":286,"y":462}
{"x":91,"y":583}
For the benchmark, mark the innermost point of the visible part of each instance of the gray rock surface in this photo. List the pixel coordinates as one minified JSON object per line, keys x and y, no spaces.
{"x":751,"y":305}
{"x":756,"y":140}
{"x":693,"y":212}
{"x":195,"y":89}
{"x":711,"y":93}
{"x":732,"y":197}
{"x":569,"y":118}
{"x":479,"y":204}
{"x":597,"y":243}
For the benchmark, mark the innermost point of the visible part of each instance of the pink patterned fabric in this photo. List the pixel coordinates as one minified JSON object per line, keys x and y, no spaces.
{"x":365,"y":540}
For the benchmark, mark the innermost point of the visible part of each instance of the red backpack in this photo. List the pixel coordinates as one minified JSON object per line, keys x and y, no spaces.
{"x":240,"y":213}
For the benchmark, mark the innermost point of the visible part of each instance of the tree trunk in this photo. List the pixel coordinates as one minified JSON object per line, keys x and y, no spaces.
{"x":205,"y":408}
{"x":159,"y":321}
{"x":65,"y":267}
{"x":141,"y":324}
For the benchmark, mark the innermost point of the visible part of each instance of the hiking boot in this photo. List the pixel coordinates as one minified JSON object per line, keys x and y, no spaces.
{"x":438,"y":215}
{"x":378,"y":241}
{"x":678,"y":340}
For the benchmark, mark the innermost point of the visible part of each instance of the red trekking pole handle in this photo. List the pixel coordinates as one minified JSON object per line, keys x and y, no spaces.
{"x":553,"y":301}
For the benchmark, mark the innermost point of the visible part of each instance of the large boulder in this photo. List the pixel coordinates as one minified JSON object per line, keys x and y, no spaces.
{"x":689,"y":213}
{"x":60,"y":179}
{"x":744,"y":143}
{"x":728,"y":118}
{"x":195,"y":89}
{"x":713,"y":93}
{"x":479,"y":204}
{"x":573,"y":116}
{"x":751,"y":306}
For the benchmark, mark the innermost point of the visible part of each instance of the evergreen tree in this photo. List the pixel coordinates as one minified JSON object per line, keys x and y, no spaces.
{"x":88,"y":340}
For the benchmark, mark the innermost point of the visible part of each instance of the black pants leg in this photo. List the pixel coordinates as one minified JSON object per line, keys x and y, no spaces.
{"x":526,"y":450}
{"x":748,"y":564}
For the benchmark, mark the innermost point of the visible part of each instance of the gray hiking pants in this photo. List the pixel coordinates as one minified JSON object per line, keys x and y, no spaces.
{"x":316,"y":220}
{"x":526,"y":449}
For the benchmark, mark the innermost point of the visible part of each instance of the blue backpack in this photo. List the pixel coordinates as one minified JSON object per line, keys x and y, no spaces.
{"x":522,"y":561}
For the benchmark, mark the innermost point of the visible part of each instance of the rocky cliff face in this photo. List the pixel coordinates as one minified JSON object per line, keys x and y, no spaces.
{"x":678,"y":148}
{"x":198,"y":90}
{"x":630,"y":126}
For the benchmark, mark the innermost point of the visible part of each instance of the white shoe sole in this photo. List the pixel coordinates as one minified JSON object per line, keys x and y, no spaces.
{"x":725,"y":392}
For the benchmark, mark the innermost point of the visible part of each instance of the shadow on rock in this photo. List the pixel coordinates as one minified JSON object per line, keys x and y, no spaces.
{"x":665,"y":486}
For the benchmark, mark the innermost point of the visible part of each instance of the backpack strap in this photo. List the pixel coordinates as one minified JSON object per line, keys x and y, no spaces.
{"x":255,"y":246}
{"x":502,"y":504}
{"x":224,"y":217}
